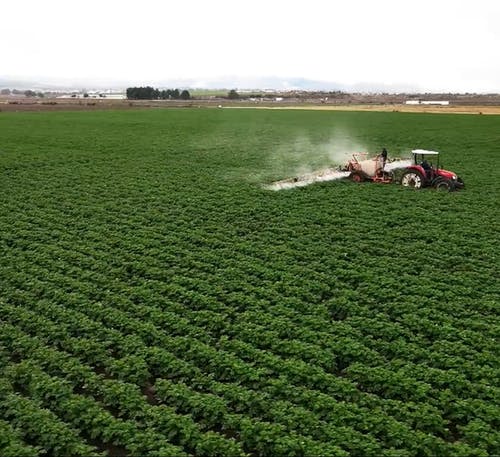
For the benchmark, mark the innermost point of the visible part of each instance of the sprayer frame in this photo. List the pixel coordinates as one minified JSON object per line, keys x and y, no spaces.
{"x":358,"y":175}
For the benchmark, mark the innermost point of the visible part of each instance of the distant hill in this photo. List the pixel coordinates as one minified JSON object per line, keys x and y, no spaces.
{"x":226,"y":82}
{"x":214,"y":83}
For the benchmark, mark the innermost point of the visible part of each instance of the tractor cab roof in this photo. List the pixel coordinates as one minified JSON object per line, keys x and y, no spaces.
{"x":425,"y":152}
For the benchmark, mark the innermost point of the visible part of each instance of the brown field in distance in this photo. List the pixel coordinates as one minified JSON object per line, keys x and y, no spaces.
{"x":33,"y":104}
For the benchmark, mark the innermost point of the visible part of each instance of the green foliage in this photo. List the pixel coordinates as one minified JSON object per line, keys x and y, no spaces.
{"x":156,"y":300}
{"x":150,"y":93}
{"x":12,"y":445}
{"x":185,"y":95}
{"x":142,"y":93}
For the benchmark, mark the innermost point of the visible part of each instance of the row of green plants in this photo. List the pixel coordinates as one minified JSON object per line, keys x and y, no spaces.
{"x":157,"y":300}
{"x":136,"y":368}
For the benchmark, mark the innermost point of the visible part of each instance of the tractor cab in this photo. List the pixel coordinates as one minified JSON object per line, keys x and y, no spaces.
{"x":420,"y":155}
{"x":428,"y":161}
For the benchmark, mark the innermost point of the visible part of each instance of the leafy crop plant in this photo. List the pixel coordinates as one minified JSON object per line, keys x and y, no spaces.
{"x":157,"y":300}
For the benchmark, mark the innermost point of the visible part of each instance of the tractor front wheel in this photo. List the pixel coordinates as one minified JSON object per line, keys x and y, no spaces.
{"x":444,"y":185}
{"x":412,"y":178}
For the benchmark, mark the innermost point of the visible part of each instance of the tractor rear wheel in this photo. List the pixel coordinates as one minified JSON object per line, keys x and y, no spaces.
{"x":412,"y":178}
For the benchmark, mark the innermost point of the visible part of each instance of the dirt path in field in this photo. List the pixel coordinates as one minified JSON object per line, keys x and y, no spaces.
{"x":388,"y":108}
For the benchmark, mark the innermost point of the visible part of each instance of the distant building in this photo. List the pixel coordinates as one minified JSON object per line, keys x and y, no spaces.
{"x":427,"y":102}
{"x":434,"y":102}
{"x":115,"y":96}
{"x":95,"y":94}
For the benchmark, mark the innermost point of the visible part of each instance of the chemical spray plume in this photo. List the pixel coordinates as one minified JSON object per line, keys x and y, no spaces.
{"x":328,"y":174}
{"x":398,"y":163}
{"x":300,"y":157}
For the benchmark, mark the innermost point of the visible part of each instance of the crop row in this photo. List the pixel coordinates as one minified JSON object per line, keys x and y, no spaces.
{"x":131,"y":366}
{"x":209,"y":325}
{"x":149,"y":284}
{"x":208,"y":409}
{"x":37,"y":424}
{"x":12,"y":443}
{"x":126,"y":399}
{"x":184,"y":291}
{"x":217,"y":323}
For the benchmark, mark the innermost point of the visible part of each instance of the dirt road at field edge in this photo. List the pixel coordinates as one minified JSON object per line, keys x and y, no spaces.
{"x":388,"y":108}
{"x":82,"y":105}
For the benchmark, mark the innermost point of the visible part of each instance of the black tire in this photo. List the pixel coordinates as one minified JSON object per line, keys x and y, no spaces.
{"x":413,"y":179}
{"x":444,"y":185}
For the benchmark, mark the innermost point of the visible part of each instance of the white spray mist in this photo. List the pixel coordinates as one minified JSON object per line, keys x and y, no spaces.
{"x":302,"y":161}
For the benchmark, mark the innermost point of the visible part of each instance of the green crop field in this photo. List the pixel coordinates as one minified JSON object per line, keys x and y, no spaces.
{"x":156,"y":300}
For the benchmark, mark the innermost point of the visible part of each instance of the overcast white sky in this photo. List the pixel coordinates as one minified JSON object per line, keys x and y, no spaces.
{"x":433,"y":45}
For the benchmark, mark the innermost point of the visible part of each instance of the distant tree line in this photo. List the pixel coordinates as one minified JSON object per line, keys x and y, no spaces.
{"x":150,"y":93}
{"x":27,"y":93}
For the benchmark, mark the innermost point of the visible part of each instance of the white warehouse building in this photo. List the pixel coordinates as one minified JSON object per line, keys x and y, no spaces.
{"x":427,"y":102}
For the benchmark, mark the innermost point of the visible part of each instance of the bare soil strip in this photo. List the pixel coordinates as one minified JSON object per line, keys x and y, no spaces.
{"x":8,"y":105}
{"x":389,"y":108}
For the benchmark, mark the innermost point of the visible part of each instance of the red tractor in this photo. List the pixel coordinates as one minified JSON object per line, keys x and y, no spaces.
{"x":424,"y":174}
